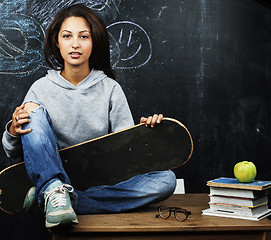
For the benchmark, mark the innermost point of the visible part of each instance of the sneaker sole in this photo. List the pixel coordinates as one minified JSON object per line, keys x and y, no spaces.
{"x":51,"y":225}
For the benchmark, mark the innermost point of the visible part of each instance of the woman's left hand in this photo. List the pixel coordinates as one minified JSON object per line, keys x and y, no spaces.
{"x":152,"y":120}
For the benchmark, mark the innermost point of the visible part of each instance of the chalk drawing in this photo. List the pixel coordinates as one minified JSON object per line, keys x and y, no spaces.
{"x":100,"y":5}
{"x":22,"y":32}
{"x":46,"y":10}
{"x":22,"y":37}
{"x":21,"y":41}
{"x":12,"y":6}
{"x":130,"y":45}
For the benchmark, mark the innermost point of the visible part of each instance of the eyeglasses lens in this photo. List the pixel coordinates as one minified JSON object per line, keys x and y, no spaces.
{"x":164,"y":212}
{"x":181,"y":215}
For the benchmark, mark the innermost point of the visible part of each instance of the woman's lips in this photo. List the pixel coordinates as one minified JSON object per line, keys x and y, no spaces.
{"x":75,"y":54}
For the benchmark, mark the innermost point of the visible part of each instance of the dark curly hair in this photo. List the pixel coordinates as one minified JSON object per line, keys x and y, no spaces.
{"x":100,"y":56}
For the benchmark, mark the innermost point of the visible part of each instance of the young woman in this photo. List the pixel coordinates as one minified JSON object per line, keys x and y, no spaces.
{"x":76,"y":101}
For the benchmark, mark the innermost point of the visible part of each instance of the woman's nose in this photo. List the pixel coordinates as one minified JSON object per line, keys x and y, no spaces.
{"x":75,"y":44}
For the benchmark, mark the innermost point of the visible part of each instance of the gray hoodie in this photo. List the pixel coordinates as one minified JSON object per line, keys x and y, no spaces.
{"x":95,"y":107}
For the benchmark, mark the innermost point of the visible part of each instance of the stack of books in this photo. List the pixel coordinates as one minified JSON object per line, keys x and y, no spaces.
{"x":229,"y":198}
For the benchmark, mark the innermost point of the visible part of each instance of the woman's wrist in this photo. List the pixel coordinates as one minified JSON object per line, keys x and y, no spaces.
{"x":10,"y":129}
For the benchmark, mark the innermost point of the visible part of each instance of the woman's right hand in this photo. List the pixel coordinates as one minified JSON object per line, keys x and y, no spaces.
{"x":19,"y":117}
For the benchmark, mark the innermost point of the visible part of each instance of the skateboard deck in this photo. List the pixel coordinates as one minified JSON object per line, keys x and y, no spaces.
{"x":108,"y":160}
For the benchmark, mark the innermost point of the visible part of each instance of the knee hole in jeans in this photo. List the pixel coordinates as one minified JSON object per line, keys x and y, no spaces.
{"x":30,"y":106}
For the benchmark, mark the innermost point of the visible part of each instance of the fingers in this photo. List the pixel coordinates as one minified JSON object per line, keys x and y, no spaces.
{"x":160,"y":118}
{"x":22,"y":118}
{"x":143,"y":120}
{"x":20,"y":131}
{"x":19,"y":117}
{"x":152,"y":120}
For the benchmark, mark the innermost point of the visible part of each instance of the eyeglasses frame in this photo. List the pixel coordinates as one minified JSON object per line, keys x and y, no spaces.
{"x":173,"y":209}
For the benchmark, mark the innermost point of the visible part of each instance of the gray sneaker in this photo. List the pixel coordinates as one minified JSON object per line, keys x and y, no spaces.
{"x":58,"y":205}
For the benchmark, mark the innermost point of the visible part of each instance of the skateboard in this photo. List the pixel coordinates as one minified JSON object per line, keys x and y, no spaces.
{"x":108,"y":160}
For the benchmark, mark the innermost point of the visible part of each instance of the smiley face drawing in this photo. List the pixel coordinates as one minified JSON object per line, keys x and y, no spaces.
{"x":130,"y":45}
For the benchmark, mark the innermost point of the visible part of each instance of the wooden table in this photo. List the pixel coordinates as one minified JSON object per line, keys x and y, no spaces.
{"x":143,"y":224}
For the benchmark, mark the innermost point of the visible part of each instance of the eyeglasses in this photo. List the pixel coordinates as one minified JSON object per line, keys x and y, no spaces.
{"x":179,"y":213}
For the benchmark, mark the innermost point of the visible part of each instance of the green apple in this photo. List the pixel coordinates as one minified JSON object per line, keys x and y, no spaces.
{"x":245,"y":171}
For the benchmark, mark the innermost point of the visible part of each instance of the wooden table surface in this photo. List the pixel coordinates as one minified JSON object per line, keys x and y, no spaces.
{"x":144,"y":220}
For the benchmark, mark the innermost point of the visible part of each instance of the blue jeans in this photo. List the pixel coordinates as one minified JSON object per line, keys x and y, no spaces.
{"x":44,"y":166}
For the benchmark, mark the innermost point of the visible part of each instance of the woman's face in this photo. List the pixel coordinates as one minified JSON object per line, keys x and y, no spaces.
{"x":75,"y":42}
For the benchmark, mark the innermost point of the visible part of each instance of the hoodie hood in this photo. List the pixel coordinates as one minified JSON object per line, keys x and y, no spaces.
{"x":93,"y":78}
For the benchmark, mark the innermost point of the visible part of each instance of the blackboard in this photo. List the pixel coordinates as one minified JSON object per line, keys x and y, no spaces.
{"x":202,"y":62}
{"x":205,"y":63}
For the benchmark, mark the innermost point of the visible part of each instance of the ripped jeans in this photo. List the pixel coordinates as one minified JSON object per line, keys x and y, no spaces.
{"x":44,"y":166}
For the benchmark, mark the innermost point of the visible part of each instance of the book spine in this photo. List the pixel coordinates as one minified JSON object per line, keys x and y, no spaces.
{"x":233,"y":183}
{"x":230,"y":215}
{"x":237,"y":192}
{"x":246,"y":202}
{"x":239,"y":210}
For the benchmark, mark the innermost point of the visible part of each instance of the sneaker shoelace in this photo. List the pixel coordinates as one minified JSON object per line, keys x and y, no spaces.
{"x":57,"y":195}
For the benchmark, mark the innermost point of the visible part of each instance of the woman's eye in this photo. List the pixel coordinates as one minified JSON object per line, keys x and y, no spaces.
{"x":66,"y":36}
{"x":84,"y":36}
